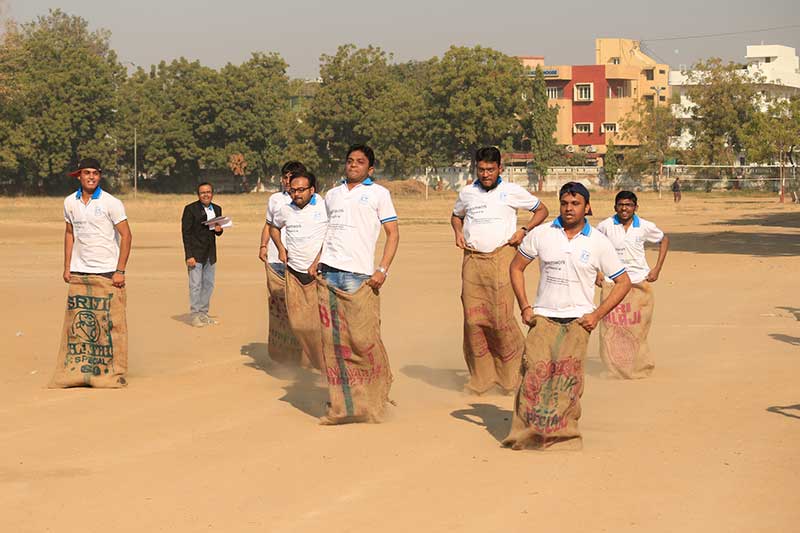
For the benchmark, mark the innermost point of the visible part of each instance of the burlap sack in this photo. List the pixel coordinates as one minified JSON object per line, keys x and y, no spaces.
{"x":493,"y":340}
{"x":357,"y":367}
{"x":302,"y":304}
{"x":282,"y":345}
{"x":548,"y":403}
{"x":94,"y":340}
{"x":623,"y":333}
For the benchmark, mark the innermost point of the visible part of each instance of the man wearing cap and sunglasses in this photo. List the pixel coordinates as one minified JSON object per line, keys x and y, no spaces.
{"x":97,"y":243}
{"x":570,"y":253}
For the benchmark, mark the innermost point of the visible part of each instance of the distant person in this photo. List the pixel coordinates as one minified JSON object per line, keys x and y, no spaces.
{"x":547,"y":406}
{"x":484,"y":221}
{"x":305,"y":221}
{"x":623,"y":332}
{"x":200,"y":251}
{"x":676,"y":190}
{"x":267,"y":252}
{"x":97,"y":243}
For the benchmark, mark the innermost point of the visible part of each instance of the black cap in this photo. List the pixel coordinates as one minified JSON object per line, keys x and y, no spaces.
{"x":86,"y":162}
{"x":573,"y":187}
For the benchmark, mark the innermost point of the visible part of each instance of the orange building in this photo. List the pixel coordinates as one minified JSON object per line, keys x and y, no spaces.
{"x":594,"y":99}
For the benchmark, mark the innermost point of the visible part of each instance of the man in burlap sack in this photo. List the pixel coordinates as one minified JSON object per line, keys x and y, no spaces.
{"x":357,"y":367}
{"x":200,"y":252}
{"x":282,"y":345}
{"x":304,"y":222}
{"x":485,"y":224}
{"x":547,"y":405}
{"x":623,"y":332}
{"x":97,"y":242}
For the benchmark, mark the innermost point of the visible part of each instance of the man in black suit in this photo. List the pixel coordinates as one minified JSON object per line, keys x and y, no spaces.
{"x":200,"y":247}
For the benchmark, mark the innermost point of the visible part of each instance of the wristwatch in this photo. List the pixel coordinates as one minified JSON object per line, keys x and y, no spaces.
{"x":382,"y":271}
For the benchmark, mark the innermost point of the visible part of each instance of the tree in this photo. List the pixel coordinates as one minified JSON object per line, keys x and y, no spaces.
{"x":722,"y":101}
{"x":611,"y":162}
{"x":475,"y":98}
{"x":538,"y":125}
{"x":651,"y":128}
{"x":64,"y":99}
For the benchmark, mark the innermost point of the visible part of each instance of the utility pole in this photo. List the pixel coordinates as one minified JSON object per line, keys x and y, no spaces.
{"x":135,"y":164}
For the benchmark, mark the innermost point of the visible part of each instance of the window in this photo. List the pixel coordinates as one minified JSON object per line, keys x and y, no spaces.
{"x":555,"y":92}
{"x":661,"y":71}
{"x":584,"y":92}
{"x":608,"y":127}
{"x":582,"y":127}
{"x":662,"y":98}
{"x":614,"y":61}
{"x":649,"y":98}
{"x":648,"y":74}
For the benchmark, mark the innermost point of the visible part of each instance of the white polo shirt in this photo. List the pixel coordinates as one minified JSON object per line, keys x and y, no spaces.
{"x":96,"y":245}
{"x":276,"y":201}
{"x":568,"y":268}
{"x":354,"y":223}
{"x":304,"y":231}
{"x":490,"y":217}
{"x":630,"y":244}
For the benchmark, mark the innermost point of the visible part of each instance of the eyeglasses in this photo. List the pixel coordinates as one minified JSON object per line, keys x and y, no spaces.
{"x":297,"y":190}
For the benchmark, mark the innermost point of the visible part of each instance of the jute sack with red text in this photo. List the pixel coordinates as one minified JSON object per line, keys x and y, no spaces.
{"x":94,"y":340}
{"x":623,"y":333}
{"x":282,"y":345}
{"x":493,"y":340}
{"x":302,"y":304}
{"x":548,"y":402}
{"x":356,"y":364}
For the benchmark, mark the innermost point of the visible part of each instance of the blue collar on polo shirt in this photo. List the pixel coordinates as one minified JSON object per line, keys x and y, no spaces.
{"x":586,"y":231}
{"x":95,"y":194}
{"x":477,"y":183}
{"x":636,"y":222}
{"x":367,"y":181}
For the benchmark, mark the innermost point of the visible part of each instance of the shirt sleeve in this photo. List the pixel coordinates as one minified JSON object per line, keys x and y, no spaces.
{"x":610,"y":264}
{"x":386,"y":212}
{"x":460,"y":209}
{"x":602,"y":227}
{"x":528,"y":247}
{"x":278,"y":219}
{"x":652,"y":233}
{"x":270,"y":210}
{"x":519,"y":198}
{"x":67,"y":217}
{"x":116,"y":212}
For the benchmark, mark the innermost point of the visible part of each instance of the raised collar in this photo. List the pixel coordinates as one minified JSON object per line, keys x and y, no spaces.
{"x":367,"y":181}
{"x":95,"y":195}
{"x":636,"y":222}
{"x":477,"y":183}
{"x":586,"y":231}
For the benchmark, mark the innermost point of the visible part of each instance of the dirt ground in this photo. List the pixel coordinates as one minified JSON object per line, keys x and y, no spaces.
{"x":209,"y":436}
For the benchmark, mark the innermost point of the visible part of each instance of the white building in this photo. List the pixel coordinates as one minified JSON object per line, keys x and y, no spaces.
{"x":777,"y":65}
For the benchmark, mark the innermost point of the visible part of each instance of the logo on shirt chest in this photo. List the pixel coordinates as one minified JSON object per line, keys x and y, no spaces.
{"x":98,"y":211}
{"x":585,"y":256}
{"x":364,"y":199}
{"x":317,"y":216}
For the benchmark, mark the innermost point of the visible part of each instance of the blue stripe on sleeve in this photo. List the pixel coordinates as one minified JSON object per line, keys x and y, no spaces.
{"x":526,"y":256}
{"x":618,"y":274}
{"x":390,"y":219}
{"x":538,"y":203}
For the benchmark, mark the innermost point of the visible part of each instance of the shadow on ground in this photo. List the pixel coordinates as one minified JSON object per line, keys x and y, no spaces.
{"x":783,"y":410}
{"x":305,"y":390}
{"x":495,"y":420}
{"x":443,"y":378}
{"x":185,"y":318}
{"x":775,"y":220}
{"x":793,"y":310}
{"x":794,"y":341}
{"x":728,"y":242}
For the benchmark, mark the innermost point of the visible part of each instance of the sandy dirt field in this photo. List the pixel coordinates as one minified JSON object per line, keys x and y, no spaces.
{"x":210,"y":436}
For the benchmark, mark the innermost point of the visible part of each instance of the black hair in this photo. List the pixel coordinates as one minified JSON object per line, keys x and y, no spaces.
{"x":312,"y":179}
{"x":366,"y":150}
{"x":204,"y":183}
{"x":488,"y":154}
{"x":292,"y":166}
{"x":626,"y":195}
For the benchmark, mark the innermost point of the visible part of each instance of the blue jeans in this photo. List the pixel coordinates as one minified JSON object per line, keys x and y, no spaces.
{"x":344,"y":281}
{"x":280,"y":268}
{"x":201,"y":285}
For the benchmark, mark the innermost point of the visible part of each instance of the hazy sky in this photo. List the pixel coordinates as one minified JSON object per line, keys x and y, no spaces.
{"x":218,"y":32}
